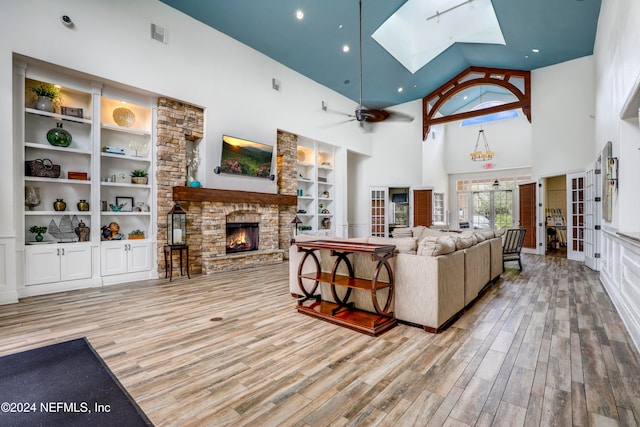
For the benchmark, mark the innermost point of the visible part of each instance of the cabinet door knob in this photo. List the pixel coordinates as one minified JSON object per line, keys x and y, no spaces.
{"x":62,"y":251}
{"x":58,"y":251}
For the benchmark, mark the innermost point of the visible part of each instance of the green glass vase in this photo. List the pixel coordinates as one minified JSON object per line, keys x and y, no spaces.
{"x":59,"y":136}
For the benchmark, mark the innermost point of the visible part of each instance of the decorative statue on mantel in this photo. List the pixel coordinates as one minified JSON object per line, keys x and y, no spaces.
{"x":193,"y":161}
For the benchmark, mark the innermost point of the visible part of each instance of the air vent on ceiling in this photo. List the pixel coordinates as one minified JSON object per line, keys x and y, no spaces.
{"x":275,"y":84}
{"x":159,"y":33}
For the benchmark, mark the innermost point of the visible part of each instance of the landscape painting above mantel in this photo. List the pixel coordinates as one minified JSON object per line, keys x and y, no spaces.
{"x":243,"y":157}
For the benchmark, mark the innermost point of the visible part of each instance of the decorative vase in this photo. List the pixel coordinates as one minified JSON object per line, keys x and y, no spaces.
{"x":83,"y":205}
{"x":44,"y":103}
{"x":39,"y":237}
{"x":82,"y":232}
{"x":59,"y":205}
{"x":31,"y":197}
{"x":59,"y":136}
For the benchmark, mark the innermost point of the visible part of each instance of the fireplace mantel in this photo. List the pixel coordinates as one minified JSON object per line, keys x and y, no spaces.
{"x":193,"y":194}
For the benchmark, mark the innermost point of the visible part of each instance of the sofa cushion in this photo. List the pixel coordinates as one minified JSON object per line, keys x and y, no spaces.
{"x":404,"y":245}
{"x":485,"y":235}
{"x":435,"y":246}
{"x":464,"y":242}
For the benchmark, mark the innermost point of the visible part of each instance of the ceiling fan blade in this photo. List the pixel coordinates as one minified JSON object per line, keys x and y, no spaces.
{"x":394,"y":116}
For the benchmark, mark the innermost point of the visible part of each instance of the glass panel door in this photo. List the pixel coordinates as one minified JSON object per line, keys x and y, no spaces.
{"x":378,"y":212}
{"x":576,"y":217}
{"x":492,"y":209}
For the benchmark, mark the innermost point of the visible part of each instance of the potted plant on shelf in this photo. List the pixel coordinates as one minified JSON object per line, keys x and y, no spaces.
{"x":139,"y":176}
{"x":48,"y":95}
{"x":136,"y":234}
{"x":38,"y":230}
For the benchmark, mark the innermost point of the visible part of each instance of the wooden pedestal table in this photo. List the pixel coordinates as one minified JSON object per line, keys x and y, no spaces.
{"x":343,"y":312}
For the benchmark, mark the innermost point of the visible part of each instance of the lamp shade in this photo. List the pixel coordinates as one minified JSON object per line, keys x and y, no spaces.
{"x":177,"y":226}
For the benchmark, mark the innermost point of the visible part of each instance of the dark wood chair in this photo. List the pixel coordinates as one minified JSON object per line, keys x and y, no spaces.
{"x":512,"y":245}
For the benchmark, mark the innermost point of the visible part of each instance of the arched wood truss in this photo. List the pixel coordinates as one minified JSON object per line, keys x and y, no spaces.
{"x":476,"y":76}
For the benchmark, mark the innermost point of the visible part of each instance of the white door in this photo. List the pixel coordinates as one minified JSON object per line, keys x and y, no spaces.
{"x":113,"y":258}
{"x":43,"y":264}
{"x":138,"y":256}
{"x":75,"y":262}
{"x":593,"y":210}
{"x":379,"y":226}
{"x":576,"y":216}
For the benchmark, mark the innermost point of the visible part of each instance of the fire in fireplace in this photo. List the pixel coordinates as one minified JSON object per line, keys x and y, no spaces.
{"x":242,"y":236}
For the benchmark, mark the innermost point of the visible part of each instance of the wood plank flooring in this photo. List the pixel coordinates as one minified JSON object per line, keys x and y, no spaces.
{"x":541,"y":347}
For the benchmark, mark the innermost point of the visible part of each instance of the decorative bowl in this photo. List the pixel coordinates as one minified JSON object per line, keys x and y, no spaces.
{"x":124,"y":117}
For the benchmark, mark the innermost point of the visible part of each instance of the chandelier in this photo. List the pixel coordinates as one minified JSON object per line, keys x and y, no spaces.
{"x":481,"y":156}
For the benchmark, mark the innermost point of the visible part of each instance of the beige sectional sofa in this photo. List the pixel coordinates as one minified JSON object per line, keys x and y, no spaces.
{"x":437,"y":274}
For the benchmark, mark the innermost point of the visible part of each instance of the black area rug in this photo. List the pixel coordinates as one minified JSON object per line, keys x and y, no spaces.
{"x":65,"y":384}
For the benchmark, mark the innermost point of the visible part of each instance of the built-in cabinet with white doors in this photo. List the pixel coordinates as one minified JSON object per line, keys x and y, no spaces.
{"x":112,"y":130}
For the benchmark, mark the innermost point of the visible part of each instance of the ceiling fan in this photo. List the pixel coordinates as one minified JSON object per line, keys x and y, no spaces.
{"x":371,"y":115}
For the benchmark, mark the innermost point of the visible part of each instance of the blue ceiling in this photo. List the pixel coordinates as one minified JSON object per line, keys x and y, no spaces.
{"x":561,"y":29}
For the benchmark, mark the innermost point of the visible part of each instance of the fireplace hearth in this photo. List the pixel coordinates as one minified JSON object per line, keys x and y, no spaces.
{"x":242,"y":237}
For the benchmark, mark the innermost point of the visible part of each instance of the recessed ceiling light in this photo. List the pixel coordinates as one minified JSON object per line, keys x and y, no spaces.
{"x":465,"y":97}
{"x":299,"y":14}
{"x":340,"y":26}
{"x":526,"y":57}
{"x":400,"y":89}
{"x":535,"y":50}
{"x":345,"y":48}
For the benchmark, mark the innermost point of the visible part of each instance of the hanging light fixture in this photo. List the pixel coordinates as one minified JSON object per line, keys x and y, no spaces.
{"x":478,"y":155}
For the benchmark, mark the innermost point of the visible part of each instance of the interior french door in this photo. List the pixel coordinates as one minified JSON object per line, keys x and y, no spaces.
{"x":378,"y":212}
{"x":576,"y":199}
{"x":593,"y":207}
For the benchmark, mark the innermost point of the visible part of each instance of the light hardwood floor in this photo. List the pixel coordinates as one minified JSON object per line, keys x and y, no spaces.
{"x":541,"y":347}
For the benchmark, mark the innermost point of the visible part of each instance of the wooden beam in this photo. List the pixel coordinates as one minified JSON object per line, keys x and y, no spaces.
{"x":192,"y":194}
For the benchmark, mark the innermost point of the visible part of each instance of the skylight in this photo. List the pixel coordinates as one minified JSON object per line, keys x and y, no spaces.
{"x":414,"y":40}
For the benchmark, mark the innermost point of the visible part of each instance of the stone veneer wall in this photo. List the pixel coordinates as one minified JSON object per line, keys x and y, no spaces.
{"x":206,"y":221}
{"x":287,"y":148}
{"x":177,"y":123}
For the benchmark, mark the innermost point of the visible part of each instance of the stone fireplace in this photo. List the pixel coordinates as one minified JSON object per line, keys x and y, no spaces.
{"x":210,"y":210}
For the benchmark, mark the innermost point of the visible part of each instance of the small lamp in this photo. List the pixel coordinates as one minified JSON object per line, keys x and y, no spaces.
{"x":177,"y":226}
{"x":296,"y":222}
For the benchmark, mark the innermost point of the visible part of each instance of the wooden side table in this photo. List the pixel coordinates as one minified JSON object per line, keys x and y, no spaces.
{"x":168,"y":266}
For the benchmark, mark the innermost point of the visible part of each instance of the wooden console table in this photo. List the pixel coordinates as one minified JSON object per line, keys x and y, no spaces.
{"x":343,"y":312}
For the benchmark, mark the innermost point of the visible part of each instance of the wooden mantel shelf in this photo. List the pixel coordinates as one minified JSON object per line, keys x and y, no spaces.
{"x":192,"y":194}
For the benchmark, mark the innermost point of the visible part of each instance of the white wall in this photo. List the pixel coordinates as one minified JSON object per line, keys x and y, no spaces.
{"x":562,"y":110}
{"x":617,"y":69}
{"x":509,"y":139}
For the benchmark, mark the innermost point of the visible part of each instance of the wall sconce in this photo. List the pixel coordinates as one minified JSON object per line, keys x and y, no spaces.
{"x":613,"y":172}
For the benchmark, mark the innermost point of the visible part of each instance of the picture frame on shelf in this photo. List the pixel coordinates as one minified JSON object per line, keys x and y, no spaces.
{"x":127,"y":203}
{"x":72,"y":112}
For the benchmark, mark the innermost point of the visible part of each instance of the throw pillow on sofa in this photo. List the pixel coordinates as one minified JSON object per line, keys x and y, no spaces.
{"x":404,"y":245}
{"x":435,"y":246}
{"x":464,"y":242}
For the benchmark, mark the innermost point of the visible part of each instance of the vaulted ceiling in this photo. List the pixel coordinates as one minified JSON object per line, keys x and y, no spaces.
{"x":537,"y":33}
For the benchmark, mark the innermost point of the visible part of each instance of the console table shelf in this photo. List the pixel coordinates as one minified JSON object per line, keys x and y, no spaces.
{"x":346,"y":281}
{"x":342,"y":312}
